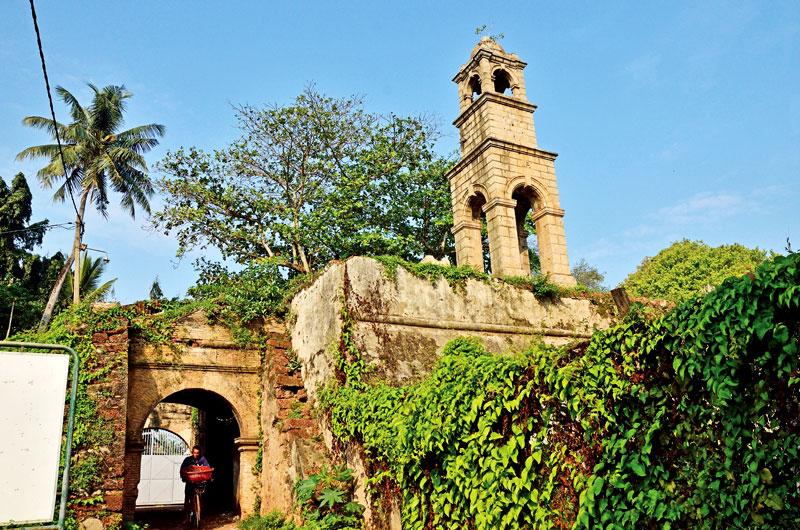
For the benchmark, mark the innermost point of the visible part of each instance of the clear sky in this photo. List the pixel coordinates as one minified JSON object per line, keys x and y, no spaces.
{"x":672,"y":119}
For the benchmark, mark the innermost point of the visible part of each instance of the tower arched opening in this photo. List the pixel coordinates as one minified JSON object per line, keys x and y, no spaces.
{"x":502,"y":82}
{"x":527,"y":201}
{"x":475,"y":87}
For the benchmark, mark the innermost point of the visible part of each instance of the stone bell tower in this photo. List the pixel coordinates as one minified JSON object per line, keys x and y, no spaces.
{"x":502,"y":173}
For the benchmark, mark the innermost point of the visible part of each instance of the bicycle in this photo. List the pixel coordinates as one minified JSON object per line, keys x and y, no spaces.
{"x":199,"y":477}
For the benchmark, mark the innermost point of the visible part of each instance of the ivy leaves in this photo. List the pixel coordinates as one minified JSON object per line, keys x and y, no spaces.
{"x":691,"y":420}
{"x":325,"y":499}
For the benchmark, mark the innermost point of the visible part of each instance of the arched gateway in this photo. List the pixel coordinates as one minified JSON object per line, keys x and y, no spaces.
{"x":209,"y":372}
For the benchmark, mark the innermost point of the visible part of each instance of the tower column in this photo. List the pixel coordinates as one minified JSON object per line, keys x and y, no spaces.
{"x":524,"y":253}
{"x":246,"y":480}
{"x":469,"y":250}
{"x":503,"y":237}
{"x":553,"y":245}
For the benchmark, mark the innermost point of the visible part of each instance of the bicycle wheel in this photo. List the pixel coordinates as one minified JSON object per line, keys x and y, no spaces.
{"x":197,"y":508}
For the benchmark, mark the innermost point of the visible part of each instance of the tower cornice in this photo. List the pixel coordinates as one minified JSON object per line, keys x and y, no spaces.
{"x":490,"y":142}
{"x":492,"y":97}
{"x":511,"y":61}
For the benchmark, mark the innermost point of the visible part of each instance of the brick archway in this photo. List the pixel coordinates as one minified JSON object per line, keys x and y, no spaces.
{"x":206,"y":360}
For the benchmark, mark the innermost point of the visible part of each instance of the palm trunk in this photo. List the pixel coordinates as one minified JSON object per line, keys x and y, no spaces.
{"x":51,"y":302}
{"x":76,"y":249}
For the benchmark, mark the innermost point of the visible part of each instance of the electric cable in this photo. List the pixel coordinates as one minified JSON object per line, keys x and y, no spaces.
{"x":46,"y":227}
{"x":53,"y":112}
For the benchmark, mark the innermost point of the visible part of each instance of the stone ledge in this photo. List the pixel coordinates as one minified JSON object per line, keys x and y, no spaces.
{"x":504,"y":145}
{"x":194,"y":367}
{"x":462,"y":325}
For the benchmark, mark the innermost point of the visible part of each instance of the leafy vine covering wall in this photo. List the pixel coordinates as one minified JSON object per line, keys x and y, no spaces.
{"x":687,"y":420}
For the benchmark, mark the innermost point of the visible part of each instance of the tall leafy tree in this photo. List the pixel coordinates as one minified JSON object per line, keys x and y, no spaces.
{"x":313,"y":181}
{"x":24,"y":275}
{"x":155,"y":290}
{"x":100,"y":158}
{"x":689,"y":268}
{"x":588,"y":275}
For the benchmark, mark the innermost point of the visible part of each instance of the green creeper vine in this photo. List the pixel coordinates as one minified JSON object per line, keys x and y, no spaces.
{"x":350,"y":364}
{"x":75,"y":328}
{"x":457,"y":277}
{"x":688,"y":420}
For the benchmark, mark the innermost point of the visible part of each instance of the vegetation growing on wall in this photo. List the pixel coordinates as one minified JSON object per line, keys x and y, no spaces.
{"x":325,"y":500}
{"x":74,"y":328}
{"x":236,"y":300}
{"x":457,"y":276}
{"x":689,"y":420}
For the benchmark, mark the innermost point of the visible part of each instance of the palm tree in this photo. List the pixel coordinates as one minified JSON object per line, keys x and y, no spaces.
{"x":91,"y":271}
{"x":99,"y":158}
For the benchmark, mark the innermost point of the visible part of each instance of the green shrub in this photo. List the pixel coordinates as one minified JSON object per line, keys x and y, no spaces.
{"x":270,"y":521}
{"x":326,"y":500}
{"x":541,"y":286}
{"x":455,"y":276}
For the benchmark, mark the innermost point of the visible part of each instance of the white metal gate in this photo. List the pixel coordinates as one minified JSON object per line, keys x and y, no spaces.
{"x":160,"y":481}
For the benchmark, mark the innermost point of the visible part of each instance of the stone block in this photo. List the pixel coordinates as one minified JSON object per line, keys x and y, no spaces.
{"x":279,"y":343}
{"x":113,"y":500}
{"x":303,"y":424}
{"x":91,"y":523}
{"x":288,"y":381}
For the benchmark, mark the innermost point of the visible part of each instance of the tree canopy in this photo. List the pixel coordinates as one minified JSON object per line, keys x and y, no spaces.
{"x":588,"y":276}
{"x":25,"y":277}
{"x":316,"y":180}
{"x":92,"y":270}
{"x":689,"y":268}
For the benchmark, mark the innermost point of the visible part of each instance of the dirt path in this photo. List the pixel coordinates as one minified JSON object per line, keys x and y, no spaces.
{"x":171,"y":520}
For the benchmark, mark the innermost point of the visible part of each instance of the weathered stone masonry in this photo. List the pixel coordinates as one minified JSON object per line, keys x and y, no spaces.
{"x":110,"y":396}
{"x":204,"y":357}
{"x":502,"y":174}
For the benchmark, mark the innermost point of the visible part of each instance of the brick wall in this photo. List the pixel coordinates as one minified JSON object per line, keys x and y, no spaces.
{"x":293,"y":447}
{"x":110,"y":394}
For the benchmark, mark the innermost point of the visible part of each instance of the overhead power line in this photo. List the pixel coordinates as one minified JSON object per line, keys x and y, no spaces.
{"x":42,"y":227}
{"x":52,"y":110}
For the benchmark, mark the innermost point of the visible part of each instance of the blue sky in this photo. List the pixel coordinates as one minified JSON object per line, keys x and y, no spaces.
{"x":672,"y":120}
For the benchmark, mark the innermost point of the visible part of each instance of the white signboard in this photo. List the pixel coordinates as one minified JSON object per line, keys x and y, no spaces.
{"x":32,"y":391}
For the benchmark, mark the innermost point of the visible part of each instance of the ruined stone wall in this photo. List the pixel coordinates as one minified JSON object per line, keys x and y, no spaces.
{"x":292,"y":443}
{"x":400,"y":324}
{"x":203,"y":356}
{"x":261,"y":384}
{"x":398,"y":321}
{"x":110,"y":395}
